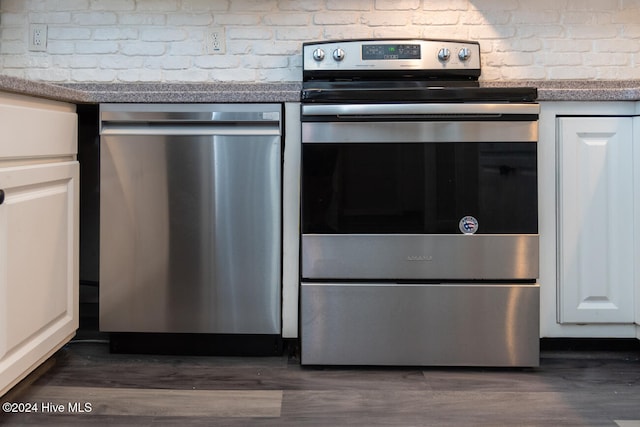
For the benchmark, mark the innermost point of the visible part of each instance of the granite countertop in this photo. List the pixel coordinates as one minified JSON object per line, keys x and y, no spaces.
{"x":579,"y":90}
{"x":95,"y":93}
{"x":188,"y":92}
{"x":40,"y":89}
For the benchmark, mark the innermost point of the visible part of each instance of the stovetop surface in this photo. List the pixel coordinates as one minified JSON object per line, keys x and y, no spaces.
{"x":412,"y":91}
{"x":399,"y":71}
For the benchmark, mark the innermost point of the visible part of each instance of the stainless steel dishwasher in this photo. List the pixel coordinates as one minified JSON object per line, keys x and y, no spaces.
{"x":190,"y":222}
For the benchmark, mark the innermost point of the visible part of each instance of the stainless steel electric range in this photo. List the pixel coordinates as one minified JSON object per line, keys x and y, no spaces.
{"x":419,"y":208}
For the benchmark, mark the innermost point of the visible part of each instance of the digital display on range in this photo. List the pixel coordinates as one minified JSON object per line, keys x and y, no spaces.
{"x":390,"y":51}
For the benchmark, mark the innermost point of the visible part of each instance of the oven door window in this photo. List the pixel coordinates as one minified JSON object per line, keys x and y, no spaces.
{"x":419,"y":188}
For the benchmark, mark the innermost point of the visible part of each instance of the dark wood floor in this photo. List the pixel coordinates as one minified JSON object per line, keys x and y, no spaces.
{"x":570,"y":388}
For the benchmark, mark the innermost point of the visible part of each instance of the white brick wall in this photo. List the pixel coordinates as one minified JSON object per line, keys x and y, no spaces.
{"x":163,"y":40}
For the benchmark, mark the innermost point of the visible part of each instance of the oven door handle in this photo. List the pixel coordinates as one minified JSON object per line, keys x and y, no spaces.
{"x":421,"y":109}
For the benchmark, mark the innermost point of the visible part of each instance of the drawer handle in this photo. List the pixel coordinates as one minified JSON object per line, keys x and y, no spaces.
{"x":1,"y":197}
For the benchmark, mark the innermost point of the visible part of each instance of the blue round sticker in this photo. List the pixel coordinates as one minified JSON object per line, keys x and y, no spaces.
{"x":468,"y":225}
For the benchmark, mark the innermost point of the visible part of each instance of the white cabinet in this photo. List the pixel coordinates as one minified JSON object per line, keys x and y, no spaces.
{"x":595,"y":220}
{"x":587,"y":224}
{"x":38,"y":233}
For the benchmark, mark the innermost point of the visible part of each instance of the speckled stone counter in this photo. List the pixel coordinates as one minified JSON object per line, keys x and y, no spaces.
{"x":41,"y":90}
{"x":579,"y":90}
{"x":95,"y":93}
{"x":189,"y":92}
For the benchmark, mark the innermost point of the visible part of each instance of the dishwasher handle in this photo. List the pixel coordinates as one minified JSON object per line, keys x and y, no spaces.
{"x":190,"y":119}
{"x":190,"y":129}
{"x":190,"y":113}
{"x":190,"y":116}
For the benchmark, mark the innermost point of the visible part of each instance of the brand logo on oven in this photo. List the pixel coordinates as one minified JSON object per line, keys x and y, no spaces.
{"x":468,"y":225}
{"x":419,"y":258}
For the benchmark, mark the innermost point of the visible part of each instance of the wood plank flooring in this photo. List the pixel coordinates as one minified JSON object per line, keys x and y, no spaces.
{"x":570,"y":388}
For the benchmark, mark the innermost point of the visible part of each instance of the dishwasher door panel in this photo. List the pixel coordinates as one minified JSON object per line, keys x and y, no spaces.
{"x":190,"y":234}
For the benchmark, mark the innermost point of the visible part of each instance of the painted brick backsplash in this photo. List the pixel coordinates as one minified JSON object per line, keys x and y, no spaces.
{"x":163,"y":40}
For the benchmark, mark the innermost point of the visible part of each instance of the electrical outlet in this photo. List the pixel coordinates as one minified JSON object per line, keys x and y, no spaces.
{"x":215,"y":40}
{"x":38,"y":37}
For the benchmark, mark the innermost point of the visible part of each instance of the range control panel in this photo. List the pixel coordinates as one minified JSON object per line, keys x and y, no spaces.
{"x":414,"y":54}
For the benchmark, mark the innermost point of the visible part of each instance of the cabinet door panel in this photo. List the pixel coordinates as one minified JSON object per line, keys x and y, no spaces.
{"x":38,"y":266}
{"x":595,"y":220}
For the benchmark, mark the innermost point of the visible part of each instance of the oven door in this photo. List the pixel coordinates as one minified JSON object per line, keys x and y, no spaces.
{"x":420,"y":192}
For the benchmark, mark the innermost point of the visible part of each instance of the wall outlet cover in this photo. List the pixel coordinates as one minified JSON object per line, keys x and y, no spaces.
{"x":38,"y":37}
{"x":215,"y":40}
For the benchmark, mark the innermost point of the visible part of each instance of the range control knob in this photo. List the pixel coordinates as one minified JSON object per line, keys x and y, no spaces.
{"x":318,"y":54}
{"x":464,"y":54}
{"x":444,"y":54}
{"x":338,"y":54}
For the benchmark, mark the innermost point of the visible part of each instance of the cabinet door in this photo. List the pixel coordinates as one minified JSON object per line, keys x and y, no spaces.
{"x":595,"y":220}
{"x":38,"y":266}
